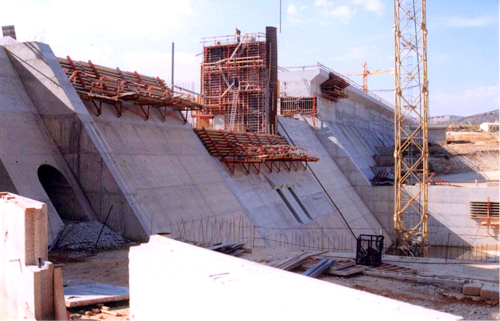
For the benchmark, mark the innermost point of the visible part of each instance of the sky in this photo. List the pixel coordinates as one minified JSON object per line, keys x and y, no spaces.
{"x":463,"y":39}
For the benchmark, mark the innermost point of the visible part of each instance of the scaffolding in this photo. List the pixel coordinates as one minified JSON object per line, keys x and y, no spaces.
{"x":291,"y":106}
{"x":251,"y":150}
{"x":234,"y":83}
{"x":127,"y":91}
{"x":333,"y":88}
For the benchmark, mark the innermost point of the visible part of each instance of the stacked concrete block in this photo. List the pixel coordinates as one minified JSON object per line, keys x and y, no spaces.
{"x":26,"y":275}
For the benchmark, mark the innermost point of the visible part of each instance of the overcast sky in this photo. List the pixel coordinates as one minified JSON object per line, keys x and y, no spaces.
{"x":463,"y":39}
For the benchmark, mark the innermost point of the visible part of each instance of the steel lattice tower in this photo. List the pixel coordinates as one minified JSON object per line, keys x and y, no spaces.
{"x":410,"y":123}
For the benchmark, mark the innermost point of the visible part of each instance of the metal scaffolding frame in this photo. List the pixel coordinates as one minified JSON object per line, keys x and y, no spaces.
{"x":234,"y":82}
{"x":251,"y":150}
{"x":411,"y":174}
{"x":127,"y":91}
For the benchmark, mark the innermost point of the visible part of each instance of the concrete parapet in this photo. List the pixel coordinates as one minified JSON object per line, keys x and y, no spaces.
{"x":26,"y":276}
{"x":197,"y":284}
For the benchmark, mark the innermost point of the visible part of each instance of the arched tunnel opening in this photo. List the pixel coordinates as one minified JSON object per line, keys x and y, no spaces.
{"x":61,"y":194}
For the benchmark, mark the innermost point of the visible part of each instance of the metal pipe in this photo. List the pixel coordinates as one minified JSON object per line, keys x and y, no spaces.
{"x":173,"y":45}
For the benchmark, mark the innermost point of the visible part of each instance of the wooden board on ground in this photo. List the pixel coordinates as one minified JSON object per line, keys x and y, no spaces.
{"x":337,"y":265}
{"x":391,"y":268}
{"x":289,"y":264}
{"x":418,"y":278}
{"x":349,"y":271}
{"x":88,"y":294}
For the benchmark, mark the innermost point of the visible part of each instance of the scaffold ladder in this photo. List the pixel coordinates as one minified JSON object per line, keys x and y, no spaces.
{"x":234,"y":107}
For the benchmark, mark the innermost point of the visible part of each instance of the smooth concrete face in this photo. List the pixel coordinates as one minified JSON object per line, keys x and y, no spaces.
{"x":197,"y":284}
{"x":351,"y":129}
{"x":342,"y":194}
{"x":26,"y":277}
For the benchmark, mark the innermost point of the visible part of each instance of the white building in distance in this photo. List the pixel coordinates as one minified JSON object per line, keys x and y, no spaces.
{"x":489,"y":127}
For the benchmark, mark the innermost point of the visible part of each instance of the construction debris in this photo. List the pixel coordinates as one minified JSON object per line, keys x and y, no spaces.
{"x":89,"y":294}
{"x":233,"y":249}
{"x":319,"y":268}
{"x":83,"y":236}
{"x":295,"y":261}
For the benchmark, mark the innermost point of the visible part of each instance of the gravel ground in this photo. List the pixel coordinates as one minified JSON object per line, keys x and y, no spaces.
{"x":83,"y":236}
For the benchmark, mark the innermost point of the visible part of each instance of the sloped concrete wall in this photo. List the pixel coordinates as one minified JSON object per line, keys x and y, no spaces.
{"x":154,"y":173}
{"x":70,"y":125}
{"x":157,"y":174}
{"x":338,"y":187}
{"x":25,"y":145}
{"x":197,"y":284}
{"x":26,"y":275}
{"x":351,"y":128}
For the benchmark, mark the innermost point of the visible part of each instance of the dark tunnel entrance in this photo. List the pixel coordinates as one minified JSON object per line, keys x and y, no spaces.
{"x":61,"y":194}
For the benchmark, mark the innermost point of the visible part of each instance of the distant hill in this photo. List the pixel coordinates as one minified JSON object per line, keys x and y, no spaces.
{"x":476,"y":119}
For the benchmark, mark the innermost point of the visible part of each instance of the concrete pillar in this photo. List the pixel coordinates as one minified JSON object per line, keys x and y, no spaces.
{"x":272,"y":67}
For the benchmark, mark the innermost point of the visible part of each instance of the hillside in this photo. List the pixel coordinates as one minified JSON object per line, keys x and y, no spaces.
{"x":476,"y":119}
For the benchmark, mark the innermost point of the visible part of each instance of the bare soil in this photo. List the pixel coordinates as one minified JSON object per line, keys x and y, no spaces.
{"x":465,"y":152}
{"x":111,"y":267}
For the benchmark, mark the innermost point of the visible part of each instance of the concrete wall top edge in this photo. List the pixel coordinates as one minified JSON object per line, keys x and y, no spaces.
{"x":22,"y":202}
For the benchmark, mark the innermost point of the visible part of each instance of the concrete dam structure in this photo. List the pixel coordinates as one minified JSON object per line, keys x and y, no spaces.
{"x":147,"y":171}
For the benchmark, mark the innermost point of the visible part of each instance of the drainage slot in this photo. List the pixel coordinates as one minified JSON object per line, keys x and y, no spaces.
{"x":306,"y":212}
{"x":292,"y":210}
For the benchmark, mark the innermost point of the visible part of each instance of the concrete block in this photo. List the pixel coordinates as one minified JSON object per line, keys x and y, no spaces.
{"x":489,"y":291}
{"x":192,"y":274}
{"x":26,"y":277}
{"x":472,"y":288}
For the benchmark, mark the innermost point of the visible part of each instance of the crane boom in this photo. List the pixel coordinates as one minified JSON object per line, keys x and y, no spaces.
{"x":366,"y":73}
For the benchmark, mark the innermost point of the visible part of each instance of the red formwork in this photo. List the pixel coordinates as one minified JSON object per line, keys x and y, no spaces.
{"x":126,"y":91}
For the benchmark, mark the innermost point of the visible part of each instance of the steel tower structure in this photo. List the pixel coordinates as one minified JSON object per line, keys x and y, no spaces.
{"x":410,"y":123}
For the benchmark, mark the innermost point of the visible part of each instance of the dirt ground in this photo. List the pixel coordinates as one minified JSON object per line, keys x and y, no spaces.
{"x":465,"y":152}
{"x":111,"y":267}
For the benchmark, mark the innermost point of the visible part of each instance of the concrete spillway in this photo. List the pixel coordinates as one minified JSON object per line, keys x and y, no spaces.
{"x":155,"y":174}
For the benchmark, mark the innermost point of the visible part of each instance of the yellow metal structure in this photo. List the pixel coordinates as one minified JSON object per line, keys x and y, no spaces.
{"x":366,"y":73}
{"x":410,"y":117}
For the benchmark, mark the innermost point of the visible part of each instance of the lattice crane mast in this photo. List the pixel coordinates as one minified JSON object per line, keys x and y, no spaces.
{"x":366,"y":73}
{"x":410,"y":123}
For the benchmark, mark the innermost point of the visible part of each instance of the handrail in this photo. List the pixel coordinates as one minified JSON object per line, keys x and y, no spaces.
{"x":348,"y":80}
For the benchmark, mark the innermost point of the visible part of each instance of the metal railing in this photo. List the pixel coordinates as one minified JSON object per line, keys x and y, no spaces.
{"x":348,"y":80}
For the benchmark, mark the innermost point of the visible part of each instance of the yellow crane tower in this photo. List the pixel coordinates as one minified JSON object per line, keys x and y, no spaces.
{"x":410,"y":124}
{"x":366,"y":73}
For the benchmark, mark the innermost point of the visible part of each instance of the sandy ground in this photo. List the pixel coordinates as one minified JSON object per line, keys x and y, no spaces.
{"x":466,"y":157}
{"x":111,"y":267}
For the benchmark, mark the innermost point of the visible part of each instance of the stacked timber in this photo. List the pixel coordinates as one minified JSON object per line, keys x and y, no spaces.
{"x":233,"y":249}
{"x":295,"y":261}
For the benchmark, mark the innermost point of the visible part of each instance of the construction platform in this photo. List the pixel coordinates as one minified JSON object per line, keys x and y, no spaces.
{"x":126,"y":90}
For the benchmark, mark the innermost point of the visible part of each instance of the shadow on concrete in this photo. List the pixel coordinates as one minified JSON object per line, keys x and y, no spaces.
{"x":6,"y":184}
